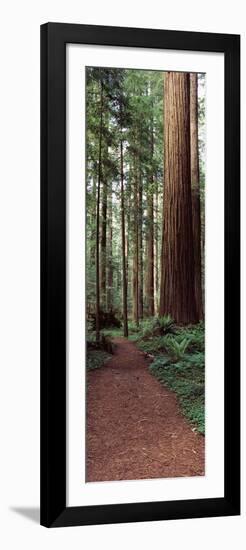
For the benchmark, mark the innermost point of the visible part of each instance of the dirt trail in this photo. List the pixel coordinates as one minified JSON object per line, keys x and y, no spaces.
{"x":135,"y":429}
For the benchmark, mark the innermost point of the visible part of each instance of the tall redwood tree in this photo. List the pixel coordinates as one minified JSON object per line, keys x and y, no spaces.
{"x":98,"y":216}
{"x":195,"y":189}
{"x":177,"y":291}
{"x":150,"y":236}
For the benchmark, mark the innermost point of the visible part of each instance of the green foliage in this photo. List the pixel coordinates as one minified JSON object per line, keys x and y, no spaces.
{"x":113,"y":332}
{"x":195,"y":335}
{"x":186,"y":378}
{"x":160,"y":362}
{"x":90,"y":334}
{"x":152,"y":346}
{"x":133,"y":327}
{"x":166,"y":323}
{"x":195,"y":360}
{"x":132,"y":104}
{"x":179,"y":364}
{"x":158,"y":326}
{"x":147,"y":327}
{"x":177,"y":349}
{"x":152,"y":328}
{"x":96,"y":359}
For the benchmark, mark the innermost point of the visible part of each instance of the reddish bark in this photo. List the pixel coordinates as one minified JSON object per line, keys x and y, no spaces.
{"x":177,"y":292}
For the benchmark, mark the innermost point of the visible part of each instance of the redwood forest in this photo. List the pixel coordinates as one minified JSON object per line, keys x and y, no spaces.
{"x":145,"y":265}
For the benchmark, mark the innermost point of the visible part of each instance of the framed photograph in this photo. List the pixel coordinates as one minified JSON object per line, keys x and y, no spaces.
{"x":140,"y":275}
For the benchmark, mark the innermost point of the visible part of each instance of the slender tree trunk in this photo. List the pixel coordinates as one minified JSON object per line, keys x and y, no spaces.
{"x":103,"y":244}
{"x":150,"y":258}
{"x":150,"y":239}
{"x":135,"y":295}
{"x":93,"y":226}
{"x":110,"y":254}
{"x":123,"y":243}
{"x":140,"y":244}
{"x":128,"y":232}
{"x":156,"y":231}
{"x":98,"y":219}
{"x":195,"y":188}
{"x":177,"y":293}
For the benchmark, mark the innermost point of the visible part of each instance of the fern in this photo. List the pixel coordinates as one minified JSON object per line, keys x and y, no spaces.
{"x":166,"y":323}
{"x":177,"y":349}
{"x":156,"y":326}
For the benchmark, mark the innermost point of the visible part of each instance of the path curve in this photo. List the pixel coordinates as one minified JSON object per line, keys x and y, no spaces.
{"x":135,"y":429}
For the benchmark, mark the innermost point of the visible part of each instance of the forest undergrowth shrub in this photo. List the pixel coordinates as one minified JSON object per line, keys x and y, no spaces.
{"x":133,"y":328}
{"x":104,"y":344}
{"x":179,"y":363}
{"x":176,"y":349}
{"x":107,"y":319}
{"x":156,"y":326}
{"x":195,"y":334}
{"x":187,"y":379}
{"x":113,"y":332}
{"x":153,"y":346}
{"x":96,"y":359}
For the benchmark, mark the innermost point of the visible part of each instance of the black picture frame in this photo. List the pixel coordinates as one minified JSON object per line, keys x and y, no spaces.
{"x":54,"y":37}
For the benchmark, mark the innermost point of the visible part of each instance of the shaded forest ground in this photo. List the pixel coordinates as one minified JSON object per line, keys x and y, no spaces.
{"x":135,"y":428}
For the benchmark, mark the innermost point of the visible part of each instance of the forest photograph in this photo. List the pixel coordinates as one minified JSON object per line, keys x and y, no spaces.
{"x":145,"y":274}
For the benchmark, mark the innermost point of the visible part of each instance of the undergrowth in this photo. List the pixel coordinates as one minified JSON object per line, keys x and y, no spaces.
{"x":113,"y":332}
{"x":178,"y":360}
{"x":178,"y":363}
{"x":186,"y":379}
{"x":96,"y":359}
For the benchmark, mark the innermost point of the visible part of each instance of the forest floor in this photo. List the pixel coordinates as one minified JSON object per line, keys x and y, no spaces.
{"x":135,"y":428}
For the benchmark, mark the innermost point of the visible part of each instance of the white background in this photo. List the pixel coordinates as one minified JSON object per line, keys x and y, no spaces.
{"x":19,"y":302}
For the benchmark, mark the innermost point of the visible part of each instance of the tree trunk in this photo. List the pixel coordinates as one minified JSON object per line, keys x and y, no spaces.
{"x":124,"y":280}
{"x":128,"y":232}
{"x":150,"y":238}
{"x":98,"y":218}
{"x":135,"y":295}
{"x":103,"y":245}
{"x":156,"y":230}
{"x":110,"y":255}
{"x":93,"y":226}
{"x":140,"y":244}
{"x":177,"y":293}
{"x":195,"y":189}
{"x":150,"y":258}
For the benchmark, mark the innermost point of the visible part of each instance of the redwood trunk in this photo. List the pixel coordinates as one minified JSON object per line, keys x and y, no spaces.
{"x":103,"y":245}
{"x":195,"y":188}
{"x":150,"y":259}
{"x":128,"y":219}
{"x":156,"y":263}
{"x":177,"y":293}
{"x":110,"y":255}
{"x":124,"y":279}
{"x":140,"y":245}
{"x":98,"y":219}
{"x":150,"y":241}
{"x":93,"y":226}
{"x":135,"y":301}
